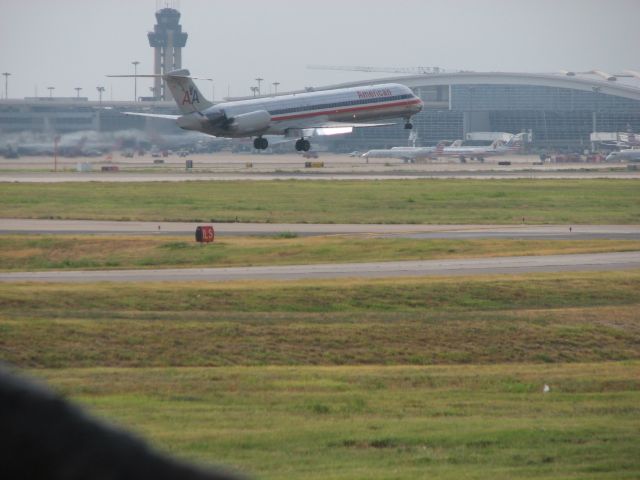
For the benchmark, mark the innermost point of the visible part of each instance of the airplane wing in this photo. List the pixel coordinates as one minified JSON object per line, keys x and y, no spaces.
{"x":153,"y":115}
{"x":346,"y":124}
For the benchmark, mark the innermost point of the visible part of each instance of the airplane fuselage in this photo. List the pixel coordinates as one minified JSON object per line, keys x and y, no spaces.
{"x":402,"y":153}
{"x":282,"y":114}
{"x":630,"y":155}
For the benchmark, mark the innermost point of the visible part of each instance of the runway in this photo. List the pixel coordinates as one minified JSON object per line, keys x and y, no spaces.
{"x":484,"y":266}
{"x":520,"y":231}
{"x":225,"y":166}
{"x":133,"y":177}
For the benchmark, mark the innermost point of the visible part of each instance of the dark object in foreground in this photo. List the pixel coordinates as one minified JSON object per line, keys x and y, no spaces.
{"x":43,"y":436}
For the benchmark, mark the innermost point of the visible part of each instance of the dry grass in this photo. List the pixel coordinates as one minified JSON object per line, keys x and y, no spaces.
{"x":530,"y":318}
{"x":43,"y":252}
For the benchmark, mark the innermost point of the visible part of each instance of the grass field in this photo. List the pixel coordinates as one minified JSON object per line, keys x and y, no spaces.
{"x":404,"y":378}
{"x":532,"y":318}
{"x":377,"y":422}
{"x":44,"y":252}
{"x":361,"y":379}
{"x":412,"y":201}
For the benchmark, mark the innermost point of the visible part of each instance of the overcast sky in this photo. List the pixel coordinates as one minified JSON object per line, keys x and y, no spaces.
{"x":75,"y":43}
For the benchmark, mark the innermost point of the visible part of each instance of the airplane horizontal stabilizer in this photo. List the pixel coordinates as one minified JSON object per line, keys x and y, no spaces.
{"x":153,"y":115}
{"x":175,"y":74}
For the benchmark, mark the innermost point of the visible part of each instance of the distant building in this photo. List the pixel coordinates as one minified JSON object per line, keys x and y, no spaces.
{"x":53,"y":115}
{"x":560,"y":109}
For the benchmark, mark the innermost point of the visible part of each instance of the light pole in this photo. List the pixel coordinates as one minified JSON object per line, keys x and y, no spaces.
{"x":51,"y":89}
{"x":6,"y":84}
{"x":275,"y":86}
{"x":77,"y":89}
{"x":212,"y":88}
{"x":259,"y":80}
{"x":135,"y":80}
{"x":100,"y":91}
{"x":596,"y":91}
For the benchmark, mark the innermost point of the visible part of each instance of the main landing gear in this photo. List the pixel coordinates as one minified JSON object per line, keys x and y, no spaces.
{"x":303,"y":145}
{"x":260,"y":143}
{"x":408,"y":125}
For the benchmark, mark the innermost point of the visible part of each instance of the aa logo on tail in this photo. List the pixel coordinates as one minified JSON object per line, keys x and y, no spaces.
{"x":190,"y":96}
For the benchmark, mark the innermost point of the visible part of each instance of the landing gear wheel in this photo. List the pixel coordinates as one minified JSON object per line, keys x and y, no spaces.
{"x":303,"y":145}
{"x":408,"y":126}
{"x":260,"y":143}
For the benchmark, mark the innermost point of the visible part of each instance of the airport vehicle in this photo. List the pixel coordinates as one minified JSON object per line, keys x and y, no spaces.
{"x":630,"y":155}
{"x":300,"y":116}
{"x":10,"y":152}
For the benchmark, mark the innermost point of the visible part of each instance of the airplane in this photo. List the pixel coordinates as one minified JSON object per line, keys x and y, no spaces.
{"x":299,"y":115}
{"x":631,"y":155}
{"x":480,"y":152}
{"x":623,"y":140}
{"x":408,"y":154}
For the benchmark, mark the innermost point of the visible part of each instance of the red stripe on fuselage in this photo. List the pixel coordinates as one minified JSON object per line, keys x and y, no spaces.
{"x":415,"y":101}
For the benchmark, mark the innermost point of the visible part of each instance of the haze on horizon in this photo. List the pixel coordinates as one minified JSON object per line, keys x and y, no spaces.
{"x":75,"y":43}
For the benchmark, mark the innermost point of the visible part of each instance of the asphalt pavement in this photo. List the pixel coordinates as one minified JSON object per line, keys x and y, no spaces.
{"x":482,"y":266}
{"x":520,"y":231}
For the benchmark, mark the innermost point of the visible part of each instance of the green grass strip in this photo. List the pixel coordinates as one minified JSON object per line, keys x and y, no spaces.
{"x":392,"y":201}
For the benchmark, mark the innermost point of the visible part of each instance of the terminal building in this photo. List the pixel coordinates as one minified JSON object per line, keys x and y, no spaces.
{"x":560,"y":110}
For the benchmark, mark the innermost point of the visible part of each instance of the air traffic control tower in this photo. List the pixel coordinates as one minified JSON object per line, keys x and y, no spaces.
{"x":167,"y":40}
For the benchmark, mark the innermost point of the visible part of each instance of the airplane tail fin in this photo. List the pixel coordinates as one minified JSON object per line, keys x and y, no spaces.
{"x":516,"y":142}
{"x":185,"y":92}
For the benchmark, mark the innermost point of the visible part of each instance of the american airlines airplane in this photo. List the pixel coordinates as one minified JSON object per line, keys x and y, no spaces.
{"x":514,"y":145}
{"x":446,"y":148}
{"x":630,"y":155}
{"x":299,"y":115}
{"x":408,"y":154}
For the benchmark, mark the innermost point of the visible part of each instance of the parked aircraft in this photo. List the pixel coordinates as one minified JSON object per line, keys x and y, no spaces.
{"x":298,"y":116}
{"x":630,"y":155}
{"x":621,"y":140}
{"x":457,"y":149}
{"x":408,"y":154}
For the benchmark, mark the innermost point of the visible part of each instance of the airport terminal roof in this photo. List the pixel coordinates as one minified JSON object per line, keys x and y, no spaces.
{"x":625,"y":84}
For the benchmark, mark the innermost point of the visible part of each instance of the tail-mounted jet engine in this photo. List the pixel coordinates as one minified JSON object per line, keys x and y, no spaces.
{"x":248,"y":123}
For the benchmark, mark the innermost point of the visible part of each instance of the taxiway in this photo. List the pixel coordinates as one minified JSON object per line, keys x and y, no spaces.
{"x":483,"y":266}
